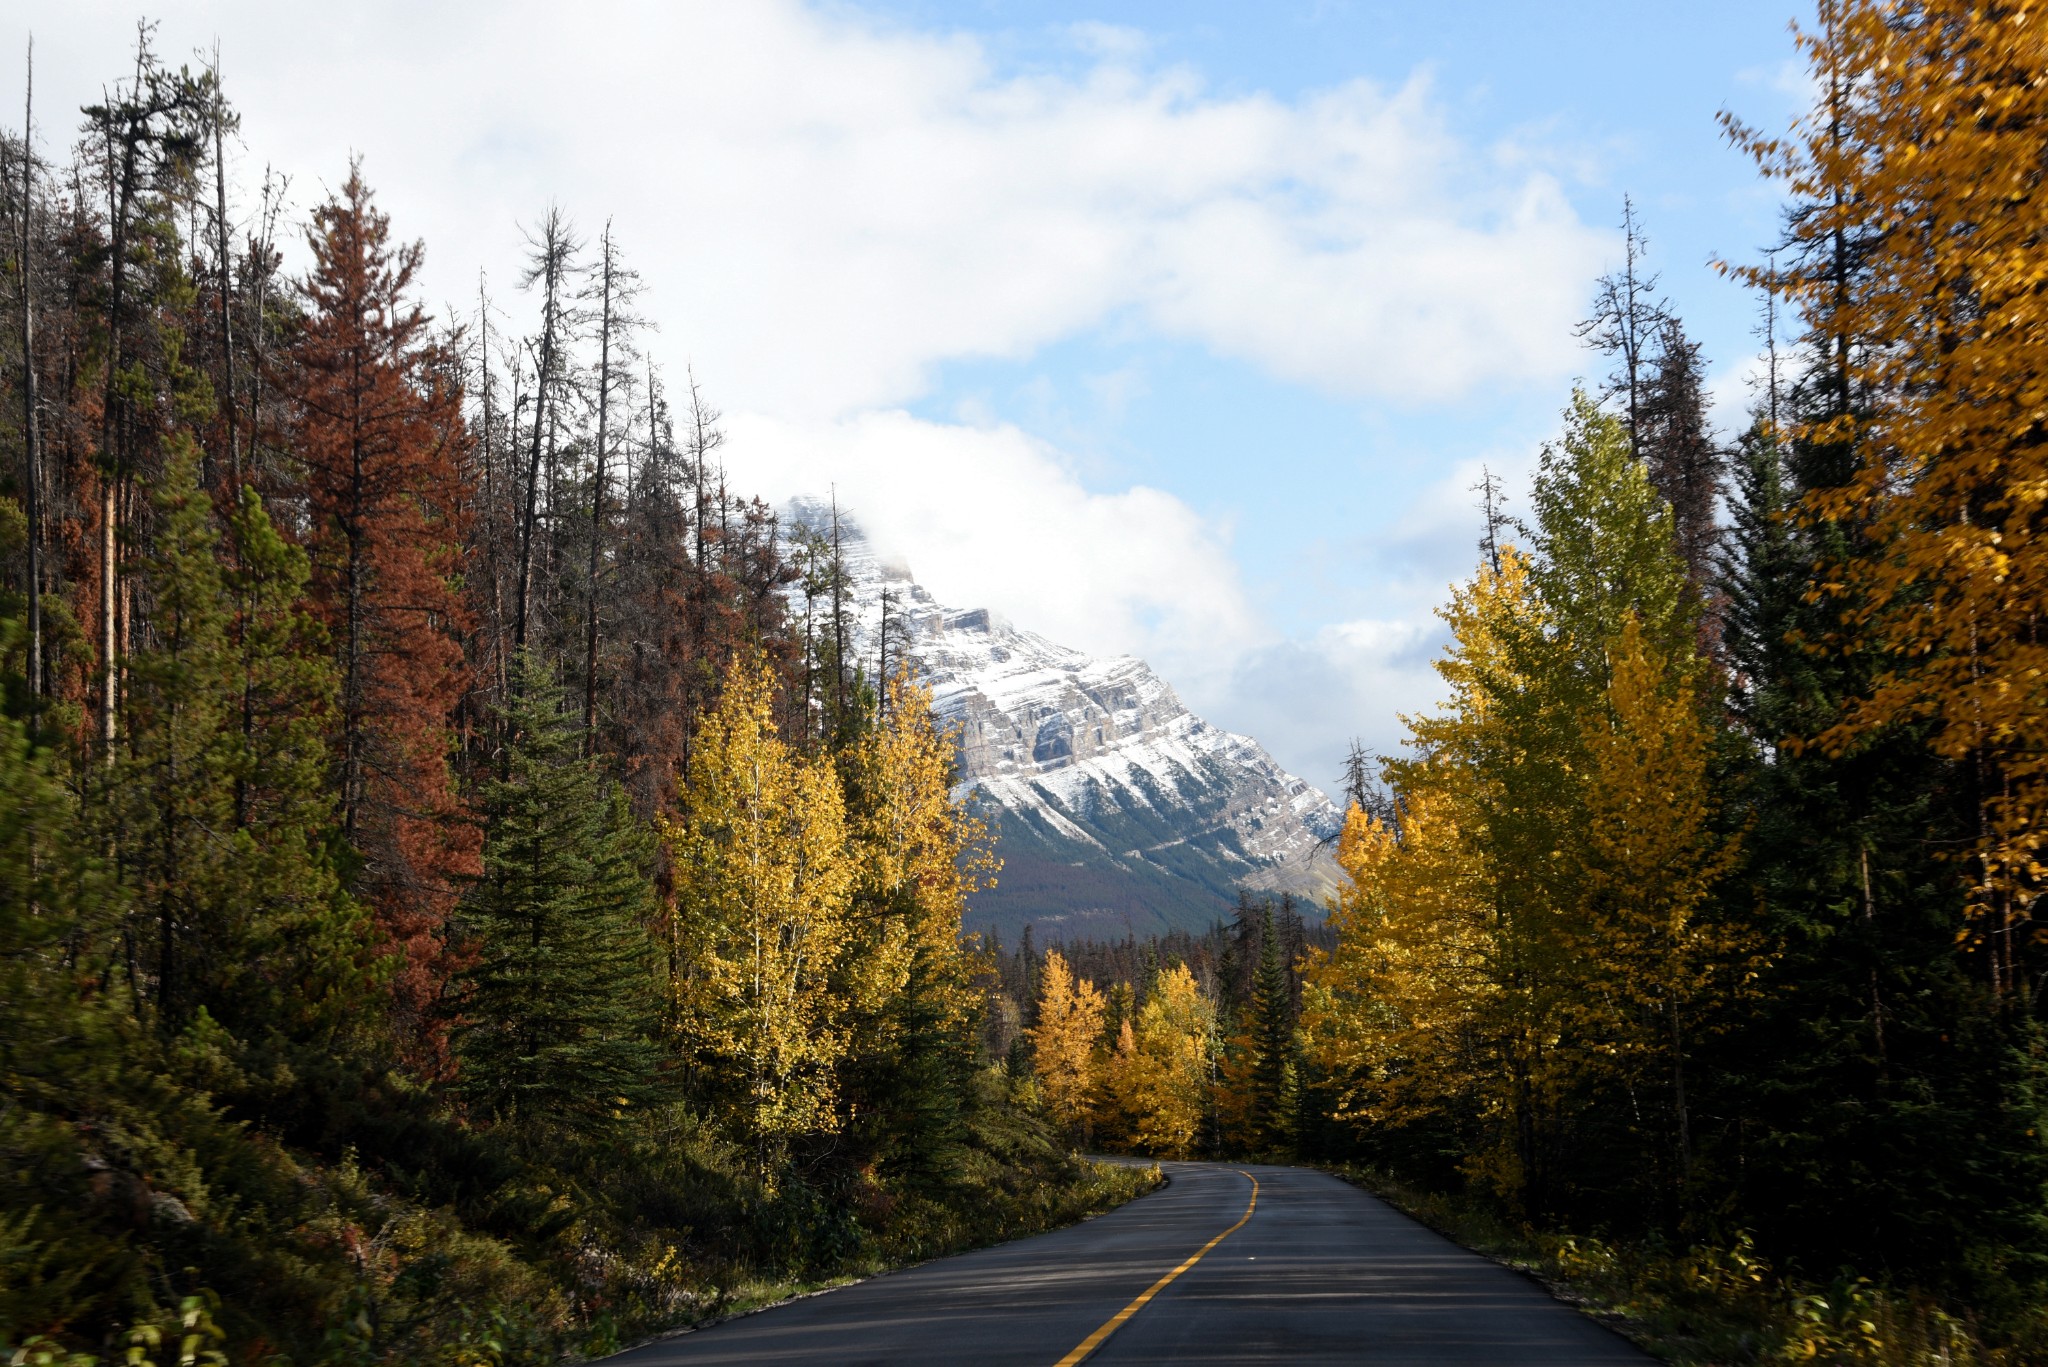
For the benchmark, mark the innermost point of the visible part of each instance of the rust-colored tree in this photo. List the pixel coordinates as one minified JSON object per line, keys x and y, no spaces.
{"x":378,"y":429}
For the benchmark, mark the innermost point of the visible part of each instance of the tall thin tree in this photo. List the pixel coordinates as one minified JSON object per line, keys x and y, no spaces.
{"x":31,"y":401}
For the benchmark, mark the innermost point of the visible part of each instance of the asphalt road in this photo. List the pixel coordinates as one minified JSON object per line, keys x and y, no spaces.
{"x":1320,"y":1272}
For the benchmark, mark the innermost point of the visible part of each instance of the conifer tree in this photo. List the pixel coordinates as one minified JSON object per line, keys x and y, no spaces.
{"x":226,"y":821}
{"x":558,"y":1012}
{"x":378,"y":428}
{"x":1937,"y":125}
{"x":1063,"y":1045}
{"x":1684,"y":462}
{"x":1272,"y":1011}
{"x":302,"y":971}
{"x":175,"y":784}
{"x":1886,"y":1040}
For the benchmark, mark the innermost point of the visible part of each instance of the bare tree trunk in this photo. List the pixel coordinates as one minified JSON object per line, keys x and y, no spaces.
{"x":604,"y":395}
{"x":227,"y":323}
{"x":31,"y":404}
{"x":555,"y":248}
{"x":111,"y":463}
{"x":493,"y":496}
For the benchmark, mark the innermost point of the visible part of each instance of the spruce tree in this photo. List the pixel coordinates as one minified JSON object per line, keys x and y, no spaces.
{"x":1684,"y":463}
{"x":1273,"y":1041}
{"x":558,"y":1012}
{"x":223,"y":816}
{"x":1882,"y":1109}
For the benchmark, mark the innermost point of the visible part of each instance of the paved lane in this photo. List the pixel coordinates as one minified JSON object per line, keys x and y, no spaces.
{"x":1321,"y":1273}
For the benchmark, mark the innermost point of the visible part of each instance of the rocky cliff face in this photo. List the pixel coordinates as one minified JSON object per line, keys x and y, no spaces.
{"x":1117,"y":809}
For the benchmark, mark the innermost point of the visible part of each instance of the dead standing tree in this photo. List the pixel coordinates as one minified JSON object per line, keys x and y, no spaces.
{"x":616,"y":288}
{"x":552,"y":268}
{"x":1627,"y":320}
{"x":150,"y":132}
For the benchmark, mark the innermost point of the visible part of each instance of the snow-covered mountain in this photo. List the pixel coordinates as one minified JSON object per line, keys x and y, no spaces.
{"x":1117,"y":810}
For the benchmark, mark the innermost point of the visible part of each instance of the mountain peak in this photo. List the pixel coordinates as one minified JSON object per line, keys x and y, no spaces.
{"x":1118,"y":810}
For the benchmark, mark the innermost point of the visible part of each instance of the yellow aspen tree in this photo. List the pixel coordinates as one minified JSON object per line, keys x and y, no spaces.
{"x":1658,"y":971}
{"x":1064,"y":1044}
{"x":926,"y":852}
{"x":1237,"y":1117}
{"x":1112,"y":1119}
{"x":763,"y":882}
{"x":1165,"y":1078}
{"x":1926,"y":149}
{"x":1448,"y":989}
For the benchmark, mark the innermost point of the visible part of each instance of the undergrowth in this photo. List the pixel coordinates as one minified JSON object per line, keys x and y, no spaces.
{"x":428,"y":1243}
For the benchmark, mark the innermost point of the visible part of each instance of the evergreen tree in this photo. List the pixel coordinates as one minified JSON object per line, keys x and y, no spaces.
{"x":1889,"y":1083}
{"x":1684,"y":462}
{"x":557,"y":1014}
{"x":1272,"y":1011}
{"x":1764,"y":574}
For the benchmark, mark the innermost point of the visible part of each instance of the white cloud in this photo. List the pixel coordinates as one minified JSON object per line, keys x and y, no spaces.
{"x":826,"y":207}
{"x":991,"y":517}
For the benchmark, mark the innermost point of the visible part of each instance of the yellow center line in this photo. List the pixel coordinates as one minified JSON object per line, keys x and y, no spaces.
{"x":1116,"y":1321}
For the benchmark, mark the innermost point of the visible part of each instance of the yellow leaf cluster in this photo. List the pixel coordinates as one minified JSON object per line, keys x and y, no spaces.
{"x":1065,"y":1044}
{"x":1530,"y":919}
{"x":1160,"y":1073}
{"x":763,"y":879}
{"x":1927,"y":149}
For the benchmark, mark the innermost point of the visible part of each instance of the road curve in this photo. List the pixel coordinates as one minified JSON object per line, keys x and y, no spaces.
{"x":1321,"y":1272}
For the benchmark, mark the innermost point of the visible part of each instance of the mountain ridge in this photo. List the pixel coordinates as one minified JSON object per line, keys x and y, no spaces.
{"x":1118,"y":811}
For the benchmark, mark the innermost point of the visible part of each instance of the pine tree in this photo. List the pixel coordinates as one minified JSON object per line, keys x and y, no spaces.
{"x":175,"y":782}
{"x":1272,"y":1011}
{"x":302,"y":972}
{"x":226,"y":823}
{"x":558,"y":1013}
{"x":378,"y":429}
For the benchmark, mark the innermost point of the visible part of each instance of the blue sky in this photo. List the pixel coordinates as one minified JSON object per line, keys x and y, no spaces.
{"x":1625,"y":94}
{"x":1174,"y":329}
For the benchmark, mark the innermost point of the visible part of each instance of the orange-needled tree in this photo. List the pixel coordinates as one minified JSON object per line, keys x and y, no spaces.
{"x":379,"y":435}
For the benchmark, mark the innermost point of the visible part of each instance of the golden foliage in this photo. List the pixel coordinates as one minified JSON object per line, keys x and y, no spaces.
{"x":1064,"y":1044}
{"x":1532,"y":915}
{"x":1925,"y":152}
{"x":1160,"y":1075}
{"x":763,"y":878}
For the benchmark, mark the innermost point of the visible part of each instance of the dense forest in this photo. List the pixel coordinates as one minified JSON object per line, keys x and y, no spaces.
{"x":1698,"y":929}
{"x":1707,"y":911}
{"x":460,"y":901}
